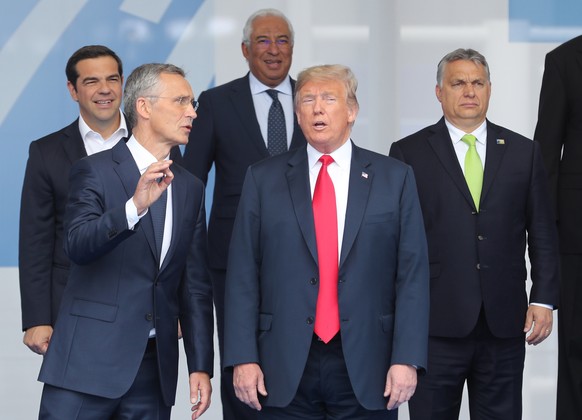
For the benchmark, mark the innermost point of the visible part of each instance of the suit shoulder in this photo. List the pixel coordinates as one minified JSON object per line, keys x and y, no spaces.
{"x":564,"y":50}
{"x":381,"y":160}
{"x":508,"y":135}
{"x":419,"y":135}
{"x":54,"y":138}
{"x":223,"y":89}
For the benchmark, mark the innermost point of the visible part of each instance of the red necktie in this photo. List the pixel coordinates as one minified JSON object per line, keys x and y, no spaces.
{"x":325,"y":217}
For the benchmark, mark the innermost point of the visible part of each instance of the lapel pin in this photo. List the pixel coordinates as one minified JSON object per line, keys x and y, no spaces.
{"x":364,"y":175}
{"x":500,"y":141}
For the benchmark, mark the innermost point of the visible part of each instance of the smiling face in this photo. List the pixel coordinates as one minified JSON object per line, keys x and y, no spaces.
{"x":270,"y":50}
{"x":98,"y":92}
{"x":324,"y":115}
{"x":464,"y":94}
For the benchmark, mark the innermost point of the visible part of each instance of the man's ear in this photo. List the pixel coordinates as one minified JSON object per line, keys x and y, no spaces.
{"x":72,"y":91}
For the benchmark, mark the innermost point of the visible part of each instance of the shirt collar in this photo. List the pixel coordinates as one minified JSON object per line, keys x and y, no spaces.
{"x":140,"y":154}
{"x":258,"y":87}
{"x":341,"y":156}
{"x":85,"y":130}
{"x":480,"y":132}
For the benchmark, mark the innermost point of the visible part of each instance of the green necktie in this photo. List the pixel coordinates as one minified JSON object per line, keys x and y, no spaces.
{"x":473,"y":168}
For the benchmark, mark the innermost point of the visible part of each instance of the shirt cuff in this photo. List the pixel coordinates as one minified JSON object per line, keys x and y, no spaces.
{"x":543,"y":305}
{"x":131,"y":214}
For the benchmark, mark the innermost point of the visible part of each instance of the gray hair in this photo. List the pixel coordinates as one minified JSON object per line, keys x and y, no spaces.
{"x":461,"y":54}
{"x":142,"y":82}
{"x":248,"y":29}
{"x":330,"y":72}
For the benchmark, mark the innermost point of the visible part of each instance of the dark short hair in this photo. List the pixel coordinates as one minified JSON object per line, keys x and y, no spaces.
{"x":87,"y":52}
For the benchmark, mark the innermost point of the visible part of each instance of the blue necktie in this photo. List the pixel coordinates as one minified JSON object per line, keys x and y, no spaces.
{"x":158,"y":213}
{"x":276,"y":131}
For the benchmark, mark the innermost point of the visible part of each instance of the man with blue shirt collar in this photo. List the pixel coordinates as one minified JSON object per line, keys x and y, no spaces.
{"x":231,"y":133}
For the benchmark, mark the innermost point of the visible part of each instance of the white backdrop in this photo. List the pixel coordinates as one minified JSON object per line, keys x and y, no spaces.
{"x":392,"y":46}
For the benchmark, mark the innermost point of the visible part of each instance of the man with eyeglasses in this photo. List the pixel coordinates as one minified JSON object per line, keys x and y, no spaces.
{"x":135,"y":231}
{"x":94,"y":80}
{"x":240,"y":123}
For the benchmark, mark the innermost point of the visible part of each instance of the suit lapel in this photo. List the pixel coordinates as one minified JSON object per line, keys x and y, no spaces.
{"x":360,"y":184}
{"x":242,"y":102}
{"x":441,"y":143}
{"x":179,"y":193}
{"x":496,"y":147}
{"x":73,"y":143}
{"x":129,"y":175}
{"x":300,"y":191}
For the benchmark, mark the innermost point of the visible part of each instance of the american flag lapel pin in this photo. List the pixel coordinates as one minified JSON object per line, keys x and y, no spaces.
{"x":500,"y":141}
{"x":364,"y":175}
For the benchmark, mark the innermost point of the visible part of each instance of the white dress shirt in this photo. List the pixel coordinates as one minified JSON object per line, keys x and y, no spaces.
{"x":461,"y":148}
{"x":339,"y":172}
{"x":94,"y":142}
{"x":143,"y":160}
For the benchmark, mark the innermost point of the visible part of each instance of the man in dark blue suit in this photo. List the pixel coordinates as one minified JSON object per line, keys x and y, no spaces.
{"x":477,"y":234}
{"x":231,"y":133}
{"x":288,"y":361}
{"x":135,"y":231}
{"x":95,"y":80}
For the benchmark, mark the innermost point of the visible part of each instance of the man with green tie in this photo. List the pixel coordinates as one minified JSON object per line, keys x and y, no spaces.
{"x":484,"y":196}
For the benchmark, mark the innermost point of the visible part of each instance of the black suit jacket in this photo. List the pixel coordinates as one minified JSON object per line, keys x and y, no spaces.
{"x":559,"y":129}
{"x":477,"y":258}
{"x":226,"y":133}
{"x":272,"y":278}
{"x":117,"y":292}
{"x":43,"y":265}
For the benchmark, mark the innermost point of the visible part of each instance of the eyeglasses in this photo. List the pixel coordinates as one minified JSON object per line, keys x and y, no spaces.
{"x":266,"y":43}
{"x":183,"y":101}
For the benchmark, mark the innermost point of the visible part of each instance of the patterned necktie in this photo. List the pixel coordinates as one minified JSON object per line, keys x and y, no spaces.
{"x":276,"y":131}
{"x":473,"y":168}
{"x":325,"y":217}
{"x":158,"y":213}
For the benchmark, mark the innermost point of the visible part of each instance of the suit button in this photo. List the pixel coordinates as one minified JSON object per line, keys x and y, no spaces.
{"x":313,"y":281}
{"x":309,"y":320}
{"x":478,"y":266}
{"x":341,"y":280}
{"x":149,"y":317}
{"x":480,"y":237}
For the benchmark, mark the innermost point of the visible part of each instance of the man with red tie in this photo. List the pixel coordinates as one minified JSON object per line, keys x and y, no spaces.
{"x":327,"y":279}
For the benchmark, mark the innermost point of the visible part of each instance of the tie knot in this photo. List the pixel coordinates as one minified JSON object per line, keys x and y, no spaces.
{"x":469,"y":139}
{"x":326,"y":160}
{"x":273,"y":94}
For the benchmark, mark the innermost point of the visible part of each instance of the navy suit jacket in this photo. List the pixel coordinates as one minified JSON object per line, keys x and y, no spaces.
{"x":42,"y":262}
{"x":477,"y":259}
{"x":559,"y":132}
{"x":116,"y":292}
{"x":226,"y":133}
{"x":272,"y":276}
